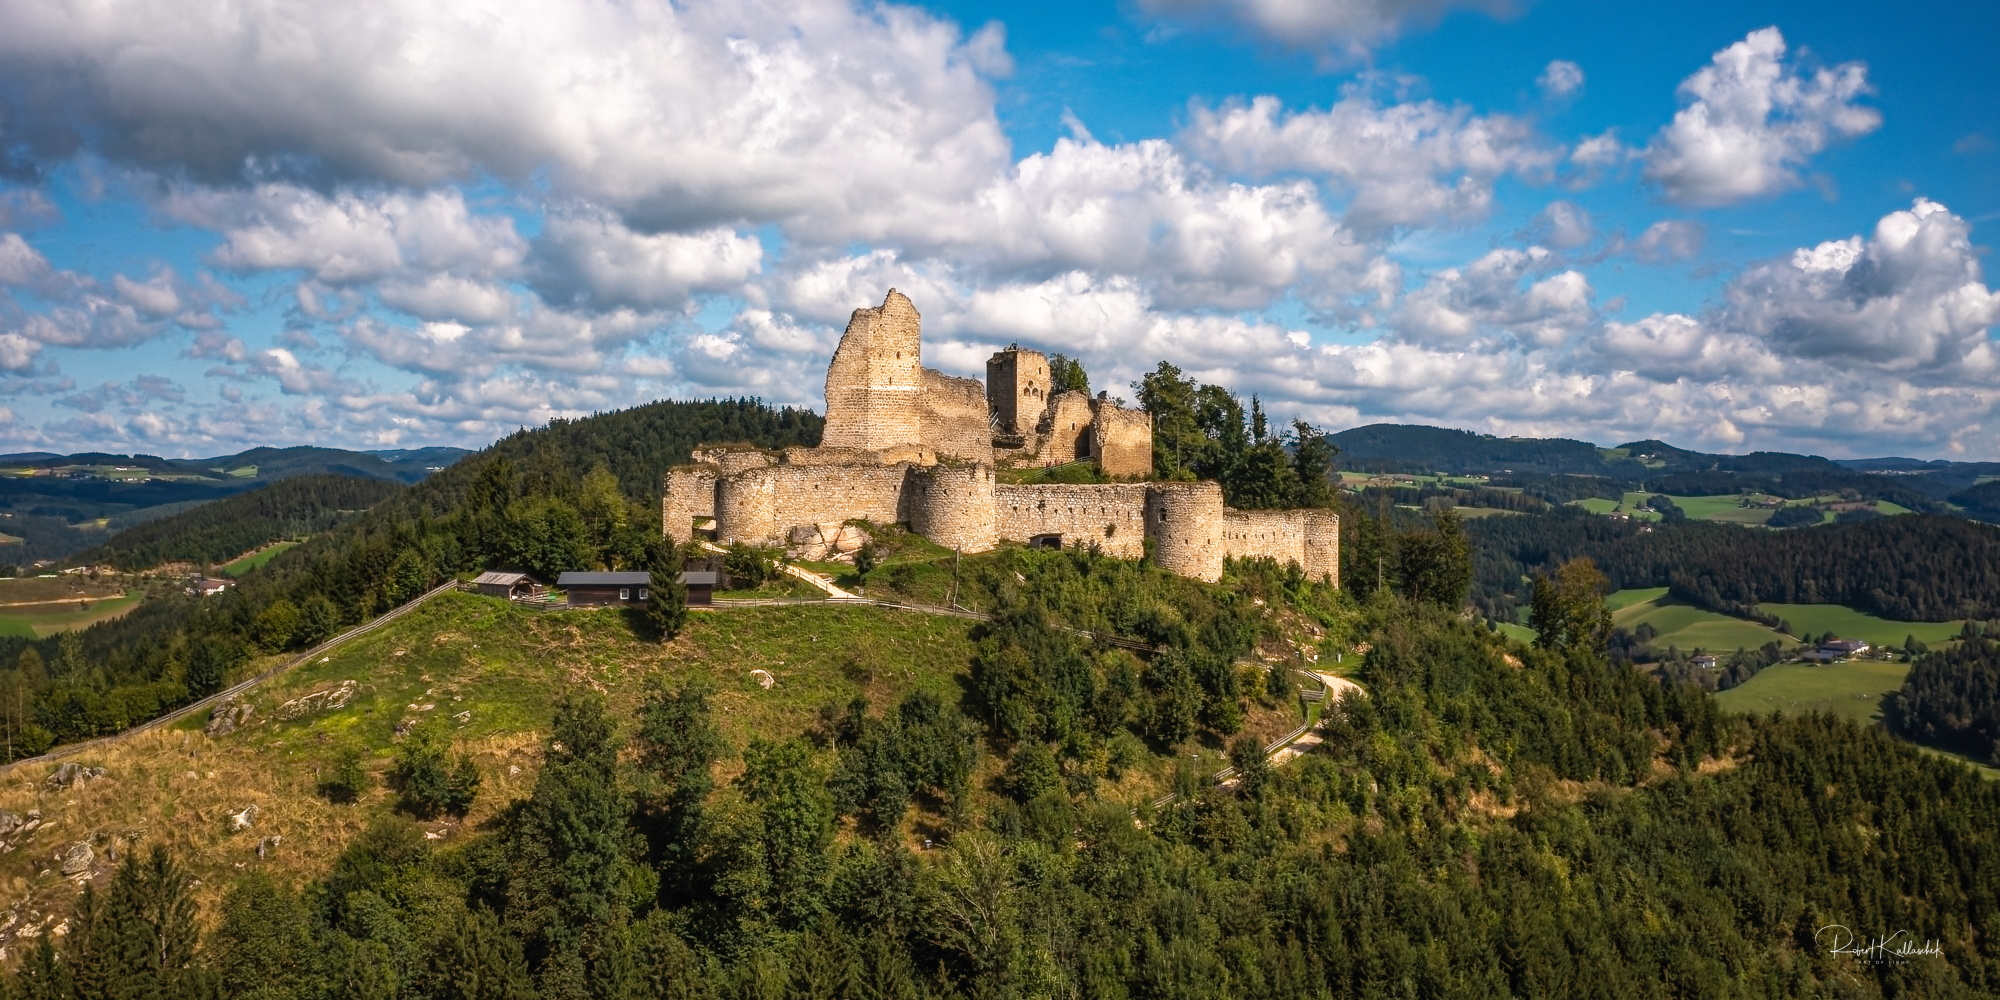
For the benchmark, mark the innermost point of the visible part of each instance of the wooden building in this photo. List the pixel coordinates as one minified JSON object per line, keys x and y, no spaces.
{"x":497,"y":583}
{"x":586,"y":588}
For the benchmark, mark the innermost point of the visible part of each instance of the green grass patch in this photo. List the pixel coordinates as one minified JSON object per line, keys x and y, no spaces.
{"x":1619,"y":600}
{"x":46,"y":620}
{"x":1689,"y":628}
{"x":1742,"y":515}
{"x":1472,"y":512}
{"x":1519,"y":633}
{"x":244,"y":564}
{"x":1852,"y":689}
{"x":1846,"y":622}
{"x":1708,"y":508}
{"x":1596,"y":505}
{"x":504,"y":667}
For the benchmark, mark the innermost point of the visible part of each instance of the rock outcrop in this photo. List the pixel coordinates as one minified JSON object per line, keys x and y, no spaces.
{"x":227,"y":717}
{"x":319,"y":701}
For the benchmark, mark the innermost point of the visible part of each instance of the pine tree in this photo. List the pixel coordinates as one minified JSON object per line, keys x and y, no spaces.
{"x":666,"y":595}
{"x":476,"y":959}
{"x":570,"y":852}
{"x":678,"y":742}
{"x":798,"y":819}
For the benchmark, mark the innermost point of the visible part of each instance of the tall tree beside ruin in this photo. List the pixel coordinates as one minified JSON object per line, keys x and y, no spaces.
{"x":1066,"y":374}
{"x":666,"y":595}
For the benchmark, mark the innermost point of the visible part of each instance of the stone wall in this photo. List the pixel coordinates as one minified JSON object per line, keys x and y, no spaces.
{"x":1187,"y":532}
{"x":1323,"y":545}
{"x":954,"y":420}
{"x":732,"y":458}
{"x":875,"y":383}
{"x":1309,"y":538}
{"x":688,"y":493}
{"x":1277,"y":535}
{"x":953,"y":505}
{"x":1121,"y":439}
{"x":1111,"y":516}
{"x":1064,"y":431}
{"x":759,"y":506}
{"x":1017,"y":388}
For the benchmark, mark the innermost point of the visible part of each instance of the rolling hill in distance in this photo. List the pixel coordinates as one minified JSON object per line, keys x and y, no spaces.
{"x":52,"y":506}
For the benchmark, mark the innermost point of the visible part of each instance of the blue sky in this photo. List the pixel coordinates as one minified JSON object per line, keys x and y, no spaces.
{"x":1732,"y":226}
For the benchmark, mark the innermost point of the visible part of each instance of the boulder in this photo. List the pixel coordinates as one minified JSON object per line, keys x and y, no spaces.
{"x":241,"y":820}
{"x":268,"y":845}
{"x":9,"y":822}
{"x":830,"y":540}
{"x":78,"y":860}
{"x":227,"y":717}
{"x":73,"y":773}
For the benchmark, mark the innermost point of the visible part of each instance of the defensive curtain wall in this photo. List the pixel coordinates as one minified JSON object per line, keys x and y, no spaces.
{"x":904,"y":444}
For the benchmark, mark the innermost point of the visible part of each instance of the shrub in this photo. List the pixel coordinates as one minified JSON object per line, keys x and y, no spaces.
{"x":347,"y":779}
{"x":426,"y":777}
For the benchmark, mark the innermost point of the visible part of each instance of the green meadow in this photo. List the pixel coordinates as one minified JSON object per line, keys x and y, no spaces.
{"x":1686,"y":626}
{"x":1819,"y":619}
{"x":246,"y":563}
{"x":1852,"y":689}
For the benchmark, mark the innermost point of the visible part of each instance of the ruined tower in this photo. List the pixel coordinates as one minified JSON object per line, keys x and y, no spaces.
{"x":1017,"y":389}
{"x":874,"y":386}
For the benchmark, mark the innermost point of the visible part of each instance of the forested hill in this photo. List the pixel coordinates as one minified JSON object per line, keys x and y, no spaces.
{"x":222,"y":530}
{"x":1651,"y":465}
{"x":575,"y":494}
{"x":1913,"y":568}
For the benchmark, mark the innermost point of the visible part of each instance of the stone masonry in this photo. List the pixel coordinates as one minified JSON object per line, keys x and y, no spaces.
{"x":904,"y":444}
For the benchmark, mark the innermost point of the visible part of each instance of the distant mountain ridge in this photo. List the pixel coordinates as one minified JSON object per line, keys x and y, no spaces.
{"x":56,"y":505}
{"x":1655,"y":465}
{"x":405,"y":465}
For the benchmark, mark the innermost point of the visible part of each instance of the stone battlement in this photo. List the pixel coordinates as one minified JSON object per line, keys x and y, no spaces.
{"x":905,"y":444}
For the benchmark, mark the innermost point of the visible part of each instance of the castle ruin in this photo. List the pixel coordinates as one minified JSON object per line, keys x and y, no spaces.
{"x":908,"y":445}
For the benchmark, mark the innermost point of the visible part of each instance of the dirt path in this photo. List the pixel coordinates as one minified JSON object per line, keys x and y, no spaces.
{"x":823,"y":582}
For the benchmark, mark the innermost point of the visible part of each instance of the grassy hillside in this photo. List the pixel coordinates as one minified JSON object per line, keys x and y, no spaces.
{"x":1819,"y":619}
{"x":464,"y":653}
{"x":495,"y":671}
{"x":1689,"y":627}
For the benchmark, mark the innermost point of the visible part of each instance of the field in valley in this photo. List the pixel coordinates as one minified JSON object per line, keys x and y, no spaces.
{"x":1684,"y":626}
{"x":1846,"y":622}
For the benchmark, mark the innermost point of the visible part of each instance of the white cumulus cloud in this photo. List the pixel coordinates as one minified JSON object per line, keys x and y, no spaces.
{"x":1752,"y":121}
{"x":1403,"y":164}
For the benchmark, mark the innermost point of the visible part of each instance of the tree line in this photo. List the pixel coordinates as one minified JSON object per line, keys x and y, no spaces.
{"x":1910,"y":568}
{"x":221,"y":530}
{"x":1204,"y":432}
{"x":1951,"y":699}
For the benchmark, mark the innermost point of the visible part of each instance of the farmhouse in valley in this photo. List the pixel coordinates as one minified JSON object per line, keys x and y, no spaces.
{"x":909,"y":445}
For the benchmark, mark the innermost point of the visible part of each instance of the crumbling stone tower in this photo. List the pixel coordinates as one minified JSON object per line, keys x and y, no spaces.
{"x":874,"y":386}
{"x":1017,"y":388}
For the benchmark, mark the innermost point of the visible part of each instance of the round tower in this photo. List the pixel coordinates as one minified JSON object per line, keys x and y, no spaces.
{"x":1322,"y":545}
{"x":1186,"y":524}
{"x":746,"y":507}
{"x":953,"y":506}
